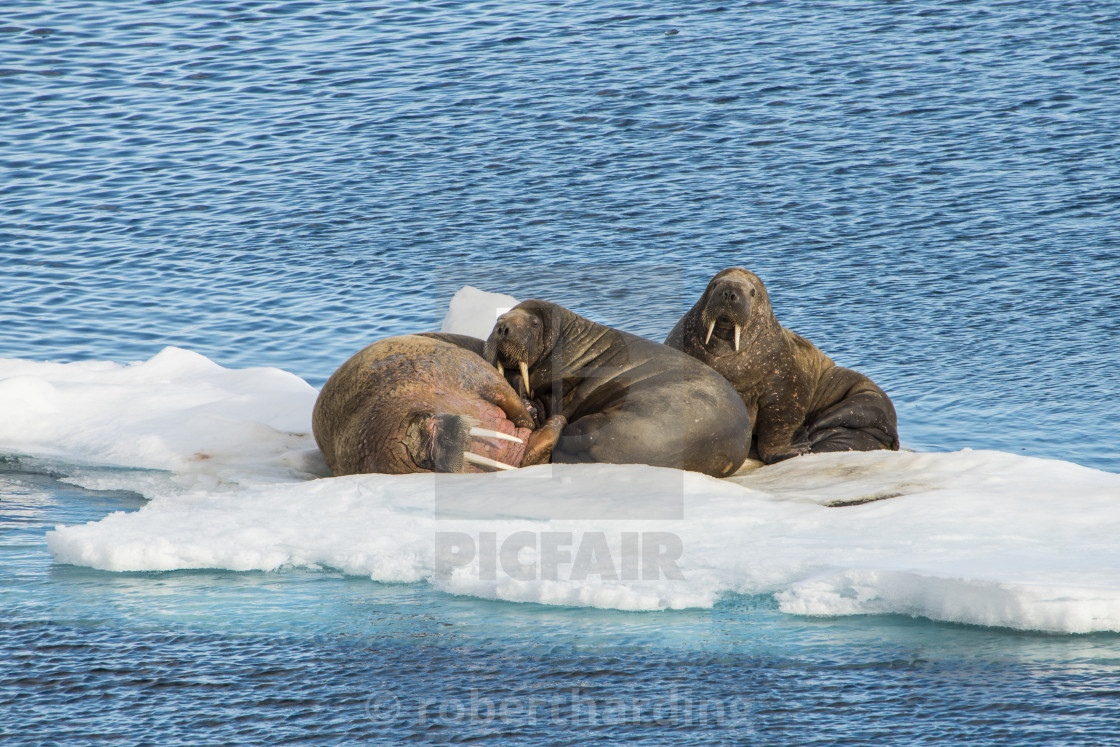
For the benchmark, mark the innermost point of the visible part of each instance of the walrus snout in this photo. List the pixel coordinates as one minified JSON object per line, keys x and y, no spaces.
{"x":506,"y":345}
{"x":441,"y":442}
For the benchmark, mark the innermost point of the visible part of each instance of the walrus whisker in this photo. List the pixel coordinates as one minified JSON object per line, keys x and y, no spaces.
{"x":487,"y":433}
{"x":738,"y":329}
{"x":711,"y":328}
{"x":525,"y":377}
{"x":470,"y":456}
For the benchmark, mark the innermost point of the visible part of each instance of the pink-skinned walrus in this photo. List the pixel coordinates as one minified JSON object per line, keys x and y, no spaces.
{"x":425,"y":403}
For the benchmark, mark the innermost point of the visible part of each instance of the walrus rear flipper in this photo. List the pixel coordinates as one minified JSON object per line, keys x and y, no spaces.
{"x":608,"y":438}
{"x":849,"y":439}
{"x":864,"y":421}
{"x":578,"y":439}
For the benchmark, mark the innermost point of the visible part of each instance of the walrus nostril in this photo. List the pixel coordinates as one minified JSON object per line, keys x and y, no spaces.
{"x":730,"y":296}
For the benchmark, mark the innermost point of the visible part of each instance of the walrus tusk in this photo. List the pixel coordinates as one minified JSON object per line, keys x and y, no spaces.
{"x":525,"y":377}
{"x":501,"y":371}
{"x":738,"y":329}
{"x":487,"y":433}
{"x":470,"y":456}
{"x":711,"y":328}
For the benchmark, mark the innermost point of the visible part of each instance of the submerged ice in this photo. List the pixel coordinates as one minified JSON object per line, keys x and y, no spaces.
{"x":227,"y":462}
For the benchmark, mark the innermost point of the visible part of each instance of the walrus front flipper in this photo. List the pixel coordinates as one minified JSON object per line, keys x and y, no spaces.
{"x":863,"y":418}
{"x":779,"y":432}
{"x":490,"y":390}
{"x":543,"y":441}
{"x":497,"y":393}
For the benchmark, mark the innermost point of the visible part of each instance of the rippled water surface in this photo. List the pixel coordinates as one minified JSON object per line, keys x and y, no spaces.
{"x":930,"y":191}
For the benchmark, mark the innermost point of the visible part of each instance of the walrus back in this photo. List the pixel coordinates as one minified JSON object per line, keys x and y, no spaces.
{"x":344,"y":403}
{"x":648,"y":403}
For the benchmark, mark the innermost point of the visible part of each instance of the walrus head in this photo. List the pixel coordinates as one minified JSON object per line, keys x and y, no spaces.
{"x":730,"y":301}
{"x":520,"y":338}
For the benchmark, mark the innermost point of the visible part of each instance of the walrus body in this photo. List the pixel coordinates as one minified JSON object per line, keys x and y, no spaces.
{"x":618,"y":397}
{"x":799,"y":400}
{"x":421,"y":403}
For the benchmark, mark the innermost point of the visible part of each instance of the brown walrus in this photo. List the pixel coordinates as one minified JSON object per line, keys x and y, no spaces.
{"x":799,"y":400}
{"x":423,"y":403}
{"x":619,"y":398}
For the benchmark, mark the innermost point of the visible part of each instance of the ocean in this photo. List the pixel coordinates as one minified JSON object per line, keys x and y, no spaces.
{"x":208,"y":206}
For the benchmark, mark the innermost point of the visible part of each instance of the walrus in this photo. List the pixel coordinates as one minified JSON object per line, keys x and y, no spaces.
{"x":800,"y":402}
{"x":617,"y":397}
{"x":424,"y":403}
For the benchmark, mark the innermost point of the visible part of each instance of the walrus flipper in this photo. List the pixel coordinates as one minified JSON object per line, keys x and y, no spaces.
{"x":491,"y":391}
{"x":542,"y":441}
{"x":861,"y":418}
{"x":513,"y":406}
{"x":849,"y":439}
{"x":777,"y":439}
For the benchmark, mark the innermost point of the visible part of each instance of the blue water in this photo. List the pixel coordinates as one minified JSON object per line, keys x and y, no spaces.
{"x":930,"y":191}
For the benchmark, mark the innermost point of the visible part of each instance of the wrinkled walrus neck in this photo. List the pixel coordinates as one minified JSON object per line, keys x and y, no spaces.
{"x":583,"y":343}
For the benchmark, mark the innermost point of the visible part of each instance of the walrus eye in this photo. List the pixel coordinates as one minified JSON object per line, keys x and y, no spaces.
{"x":752,"y":292}
{"x":535,"y":322}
